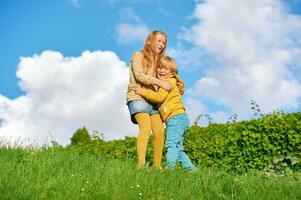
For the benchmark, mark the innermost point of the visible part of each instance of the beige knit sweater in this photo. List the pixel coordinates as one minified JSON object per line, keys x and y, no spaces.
{"x":138,"y":77}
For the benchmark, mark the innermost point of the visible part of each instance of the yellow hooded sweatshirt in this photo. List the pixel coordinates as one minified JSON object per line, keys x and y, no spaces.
{"x":169,"y":103}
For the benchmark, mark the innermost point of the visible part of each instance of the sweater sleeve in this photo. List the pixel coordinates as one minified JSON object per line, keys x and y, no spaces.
{"x":159,"y":96}
{"x":155,"y":97}
{"x":139,"y":74}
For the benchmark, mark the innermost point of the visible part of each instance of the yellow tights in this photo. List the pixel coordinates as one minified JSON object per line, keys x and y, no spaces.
{"x":148,"y":123}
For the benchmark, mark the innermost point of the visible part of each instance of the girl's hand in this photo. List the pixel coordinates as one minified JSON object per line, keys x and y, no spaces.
{"x":166,"y":86}
{"x":139,"y":90}
{"x":181,"y":89}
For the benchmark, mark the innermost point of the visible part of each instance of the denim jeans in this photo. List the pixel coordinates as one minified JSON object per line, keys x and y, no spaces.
{"x":176,"y":127}
{"x":138,"y":106}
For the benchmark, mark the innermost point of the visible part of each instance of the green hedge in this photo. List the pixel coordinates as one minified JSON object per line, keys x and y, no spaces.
{"x":272,"y":142}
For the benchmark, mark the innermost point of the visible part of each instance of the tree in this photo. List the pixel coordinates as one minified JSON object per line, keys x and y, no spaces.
{"x":81,"y":136}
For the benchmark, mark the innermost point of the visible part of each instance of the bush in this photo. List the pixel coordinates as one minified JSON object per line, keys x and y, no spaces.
{"x":272,"y":142}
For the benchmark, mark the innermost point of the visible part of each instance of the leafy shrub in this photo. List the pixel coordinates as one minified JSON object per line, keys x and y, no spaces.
{"x":271,"y":142}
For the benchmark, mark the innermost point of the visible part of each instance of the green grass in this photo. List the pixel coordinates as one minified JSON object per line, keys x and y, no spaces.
{"x":57,"y":174}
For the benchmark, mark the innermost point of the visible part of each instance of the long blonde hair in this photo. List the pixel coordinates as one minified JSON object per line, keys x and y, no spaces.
{"x":148,"y":51}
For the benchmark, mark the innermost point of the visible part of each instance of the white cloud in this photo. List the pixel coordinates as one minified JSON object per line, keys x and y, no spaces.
{"x":194,"y":108}
{"x":128,"y":33}
{"x":66,"y":93}
{"x":255,"y":44}
{"x":74,"y":3}
{"x":129,"y":14}
{"x":220,"y":117}
{"x":184,"y":58}
{"x":131,"y":2}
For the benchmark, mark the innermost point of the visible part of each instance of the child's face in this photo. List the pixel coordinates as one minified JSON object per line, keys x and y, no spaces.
{"x":160,"y":42}
{"x":164,"y":72}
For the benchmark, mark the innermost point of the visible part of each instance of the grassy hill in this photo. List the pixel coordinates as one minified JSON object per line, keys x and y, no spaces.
{"x":51,"y":173}
{"x":255,"y":159}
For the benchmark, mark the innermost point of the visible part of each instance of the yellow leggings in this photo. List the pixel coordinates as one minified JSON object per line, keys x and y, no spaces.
{"x":148,"y":123}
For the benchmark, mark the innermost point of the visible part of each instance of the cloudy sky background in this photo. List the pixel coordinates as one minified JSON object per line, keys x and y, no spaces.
{"x":64,"y":63}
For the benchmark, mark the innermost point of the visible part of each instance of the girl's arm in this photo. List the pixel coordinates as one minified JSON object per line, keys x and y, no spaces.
{"x":181,"y":89}
{"x":145,"y":78}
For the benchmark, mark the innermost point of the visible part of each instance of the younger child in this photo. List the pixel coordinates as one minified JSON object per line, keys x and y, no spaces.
{"x":172,"y":112}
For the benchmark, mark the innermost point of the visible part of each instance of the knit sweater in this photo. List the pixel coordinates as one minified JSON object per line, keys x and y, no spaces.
{"x":139,"y":78}
{"x":169,"y":103}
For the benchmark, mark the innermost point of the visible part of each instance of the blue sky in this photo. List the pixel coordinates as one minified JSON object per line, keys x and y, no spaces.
{"x":227,"y":53}
{"x":29,"y":27}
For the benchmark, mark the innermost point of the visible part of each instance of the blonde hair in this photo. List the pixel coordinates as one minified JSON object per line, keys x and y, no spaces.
{"x":168,"y":61}
{"x":149,"y":51}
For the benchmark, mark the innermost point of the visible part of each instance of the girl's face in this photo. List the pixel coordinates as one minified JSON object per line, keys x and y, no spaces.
{"x":159,"y":43}
{"x":164,"y":72}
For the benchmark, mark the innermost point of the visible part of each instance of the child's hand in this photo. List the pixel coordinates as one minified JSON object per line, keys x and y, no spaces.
{"x":139,"y":90}
{"x":166,"y":86}
{"x":181,"y":89}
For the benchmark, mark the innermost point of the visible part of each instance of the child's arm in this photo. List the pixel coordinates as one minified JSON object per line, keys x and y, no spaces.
{"x":145,"y":78}
{"x":155,"y":97}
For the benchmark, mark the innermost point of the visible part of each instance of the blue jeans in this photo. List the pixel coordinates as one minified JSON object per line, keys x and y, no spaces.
{"x":176,"y":127}
{"x":141,"y":106}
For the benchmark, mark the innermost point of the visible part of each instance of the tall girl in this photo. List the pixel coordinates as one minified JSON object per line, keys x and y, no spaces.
{"x":144,"y":113}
